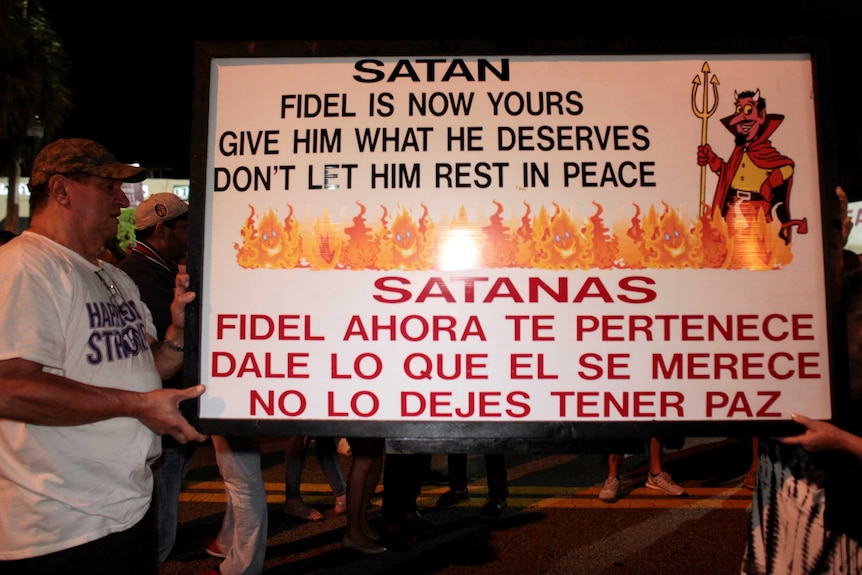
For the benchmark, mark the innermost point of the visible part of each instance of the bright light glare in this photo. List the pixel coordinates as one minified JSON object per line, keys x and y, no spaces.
{"x":459,"y":250}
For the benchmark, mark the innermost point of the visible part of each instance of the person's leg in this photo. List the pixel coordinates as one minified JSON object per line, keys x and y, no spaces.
{"x":360,"y":468}
{"x":224,"y":538}
{"x":366,"y":462}
{"x":372,"y":479}
{"x":169,"y":472}
{"x":654,"y":456}
{"x":458,"y":492}
{"x":294,"y":459}
{"x":396,"y":493}
{"x":402,"y":484}
{"x":457,"y":471}
{"x":419,"y":471}
{"x":327,"y":456}
{"x":614,"y":460}
{"x":396,"y":500}
{"x":610,"y":490}
{"x":658,"y":478}
{"x":495,"y":468}
{"x":498,"y":488}
{"x":431,"y":476}
{"x":238,"y":460}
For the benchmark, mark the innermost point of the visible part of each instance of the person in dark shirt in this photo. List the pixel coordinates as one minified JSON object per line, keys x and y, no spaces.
{"x":161,"y":241}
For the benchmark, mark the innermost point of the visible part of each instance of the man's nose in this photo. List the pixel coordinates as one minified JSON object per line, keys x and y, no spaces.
{"x":121,"y":197}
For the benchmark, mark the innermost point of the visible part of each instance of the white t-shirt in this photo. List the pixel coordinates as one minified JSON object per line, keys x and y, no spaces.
{"x":64,"y":486}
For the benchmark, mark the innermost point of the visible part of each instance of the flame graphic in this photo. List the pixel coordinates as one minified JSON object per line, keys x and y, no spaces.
{"x":275,"y":245}
{"x":362,"y":247}
{"x":668,"y":241}
{"x":499,"y":246}
{"x":407,"y":244}
{"x":662,"y":238}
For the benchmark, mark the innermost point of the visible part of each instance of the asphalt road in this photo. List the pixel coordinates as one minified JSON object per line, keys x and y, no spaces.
{"x":554,"y":523}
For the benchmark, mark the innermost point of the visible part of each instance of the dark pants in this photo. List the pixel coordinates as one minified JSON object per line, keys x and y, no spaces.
{"x":495,"y":469}
{"x":131,"y":552}
{"x":402,"y":482}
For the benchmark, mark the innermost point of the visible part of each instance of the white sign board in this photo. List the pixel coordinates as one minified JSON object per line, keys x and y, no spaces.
{"x":512,"y":239}
{"x":854,"y":242}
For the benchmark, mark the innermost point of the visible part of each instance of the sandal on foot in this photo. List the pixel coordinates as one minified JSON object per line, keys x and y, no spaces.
{"x":341,"y":505}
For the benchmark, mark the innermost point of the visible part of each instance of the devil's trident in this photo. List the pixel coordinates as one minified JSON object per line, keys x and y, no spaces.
{"x":704,"y":113}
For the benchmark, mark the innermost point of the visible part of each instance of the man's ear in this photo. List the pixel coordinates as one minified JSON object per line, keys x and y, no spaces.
{"x":57,"y":188}
{"x":161,"y":228}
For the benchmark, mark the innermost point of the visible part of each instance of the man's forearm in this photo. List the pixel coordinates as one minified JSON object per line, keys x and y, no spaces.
{"x":31,"y":395}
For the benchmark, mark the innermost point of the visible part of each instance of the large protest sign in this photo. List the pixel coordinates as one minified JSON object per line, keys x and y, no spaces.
{"x":527,"y":239}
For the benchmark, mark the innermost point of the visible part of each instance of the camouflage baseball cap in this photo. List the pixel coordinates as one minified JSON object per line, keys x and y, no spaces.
{"x":80,"y":156}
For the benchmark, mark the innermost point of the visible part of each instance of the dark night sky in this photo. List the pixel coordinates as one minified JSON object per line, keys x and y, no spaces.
{"x":132,"y":63}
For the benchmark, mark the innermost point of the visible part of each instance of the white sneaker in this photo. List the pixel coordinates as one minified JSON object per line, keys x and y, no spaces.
{"x":610,"y":491}
{"x":663,"y":482}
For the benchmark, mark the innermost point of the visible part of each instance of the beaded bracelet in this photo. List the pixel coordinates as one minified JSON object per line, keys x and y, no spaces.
{"x":173,"y":347}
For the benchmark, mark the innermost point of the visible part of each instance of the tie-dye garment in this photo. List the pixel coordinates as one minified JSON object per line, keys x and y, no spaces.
{"x":788,"y":534}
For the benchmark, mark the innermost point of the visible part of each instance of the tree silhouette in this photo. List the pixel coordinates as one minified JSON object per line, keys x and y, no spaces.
{"x":33,"y":71}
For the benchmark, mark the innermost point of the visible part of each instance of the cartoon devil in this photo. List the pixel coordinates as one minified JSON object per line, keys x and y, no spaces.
{"x":756,"y":172}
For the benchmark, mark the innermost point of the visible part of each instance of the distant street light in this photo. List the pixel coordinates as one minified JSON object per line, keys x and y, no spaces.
{"x":35,"y":133}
